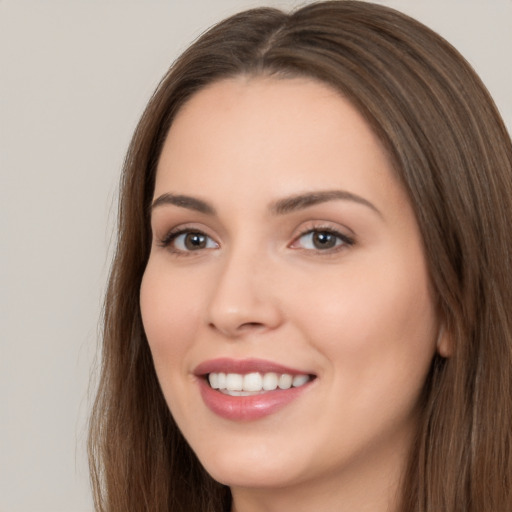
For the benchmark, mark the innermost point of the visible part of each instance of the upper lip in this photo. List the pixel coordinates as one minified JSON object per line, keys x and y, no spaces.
{"x":243,"y":366}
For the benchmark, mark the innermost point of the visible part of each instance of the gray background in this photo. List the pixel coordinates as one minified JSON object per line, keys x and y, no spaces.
{"x":74,"y":78}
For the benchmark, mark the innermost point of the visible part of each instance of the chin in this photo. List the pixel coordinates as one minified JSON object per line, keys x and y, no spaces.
{"x":260,"y":478}
{"x":252,"y":469}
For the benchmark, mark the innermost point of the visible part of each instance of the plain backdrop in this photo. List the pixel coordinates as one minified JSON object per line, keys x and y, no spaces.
{"x":74,"y":78}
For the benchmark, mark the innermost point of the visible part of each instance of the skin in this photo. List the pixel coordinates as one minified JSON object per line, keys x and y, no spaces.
{"x":361,"y":316}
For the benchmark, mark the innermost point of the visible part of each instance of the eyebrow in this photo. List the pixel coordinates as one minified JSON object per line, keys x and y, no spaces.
{"x":191,"y":203}
{"x":302,"y":201}
{"x":279,"y":207}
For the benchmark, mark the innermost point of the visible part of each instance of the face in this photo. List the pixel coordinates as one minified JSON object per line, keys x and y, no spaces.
{"x":286,"y":267}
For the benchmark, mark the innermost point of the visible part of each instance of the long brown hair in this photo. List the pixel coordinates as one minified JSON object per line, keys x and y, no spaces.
{"x":452,"y":154}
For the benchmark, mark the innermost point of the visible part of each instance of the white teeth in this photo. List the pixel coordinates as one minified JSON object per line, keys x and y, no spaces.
{"x":217,"y":380}
{"x":270,"y":381}
{"x":299,"y":380}
{"x":213,"y":379}
{"x":285,"y":381}
{"x":237,"y":384}
{"x":253,"y":382}
{"x":234,"y":382}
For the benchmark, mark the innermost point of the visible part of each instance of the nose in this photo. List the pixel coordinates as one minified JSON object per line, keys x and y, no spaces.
{"x":244,"y":298}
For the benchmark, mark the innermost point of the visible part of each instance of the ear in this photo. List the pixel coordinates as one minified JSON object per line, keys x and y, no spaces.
{"x":444,"y":343}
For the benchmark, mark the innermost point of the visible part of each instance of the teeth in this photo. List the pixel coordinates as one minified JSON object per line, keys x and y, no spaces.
{"x":285,"y":381}
{"x":270,"y":381}
{"x":234,"y":382}
{"x":213,"y":379}
{"x":252,"y":382}
{"x":237,"y":384}
{"x":299,"y":380}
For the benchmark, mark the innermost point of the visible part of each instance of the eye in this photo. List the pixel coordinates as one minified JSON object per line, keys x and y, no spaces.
{"x":321,"y":240}
{"x":188,"y":240}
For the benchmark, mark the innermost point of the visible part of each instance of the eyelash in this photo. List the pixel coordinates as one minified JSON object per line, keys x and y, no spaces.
{"x":343,"y":241}
{"x":169,"y":239}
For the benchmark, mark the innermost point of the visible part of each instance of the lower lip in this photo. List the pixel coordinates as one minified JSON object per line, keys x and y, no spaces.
{"x":248,"y":408}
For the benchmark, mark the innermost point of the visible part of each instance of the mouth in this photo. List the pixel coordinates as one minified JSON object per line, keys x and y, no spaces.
{"x":255,"y":383}
{"x":249,"y":389}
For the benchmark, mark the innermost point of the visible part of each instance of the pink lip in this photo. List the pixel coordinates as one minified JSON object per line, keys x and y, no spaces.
{"x":243,"y":366}
{"x":246,"y":408}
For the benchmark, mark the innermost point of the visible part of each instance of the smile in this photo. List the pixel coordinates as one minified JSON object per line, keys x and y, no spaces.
{"x":237,"y":384}
{"x":249,"y":389}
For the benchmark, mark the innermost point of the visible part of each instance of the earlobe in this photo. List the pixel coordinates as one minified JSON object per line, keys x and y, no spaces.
{"x":444,"y":343}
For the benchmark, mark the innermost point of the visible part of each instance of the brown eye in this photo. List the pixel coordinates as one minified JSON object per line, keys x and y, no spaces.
{"x":188,"y":241}
{"x":194,"y":241}
{"x":324,"y":240}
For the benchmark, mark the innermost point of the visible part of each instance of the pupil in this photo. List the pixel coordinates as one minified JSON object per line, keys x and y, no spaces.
{"x":195,"y":241}
{"x":324,"y":240}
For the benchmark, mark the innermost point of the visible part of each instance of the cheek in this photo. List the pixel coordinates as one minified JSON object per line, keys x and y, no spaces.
{"x":374,"y":323}
{"x":168,"y":315}
{"x":378,"y":336}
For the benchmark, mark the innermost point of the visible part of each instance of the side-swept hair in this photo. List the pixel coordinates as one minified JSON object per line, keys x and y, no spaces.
{"x":451,"y":152}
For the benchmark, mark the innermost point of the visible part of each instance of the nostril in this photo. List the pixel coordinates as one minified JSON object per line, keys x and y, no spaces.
{"x":250,"y":326}
{"x":237,"y":330}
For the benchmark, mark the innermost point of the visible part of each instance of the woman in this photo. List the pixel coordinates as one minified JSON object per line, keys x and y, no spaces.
{"x":309,"y":303}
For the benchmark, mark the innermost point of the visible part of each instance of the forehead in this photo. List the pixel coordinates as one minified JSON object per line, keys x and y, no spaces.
{"x":266,"y":137}
{"x":271,"y":103}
